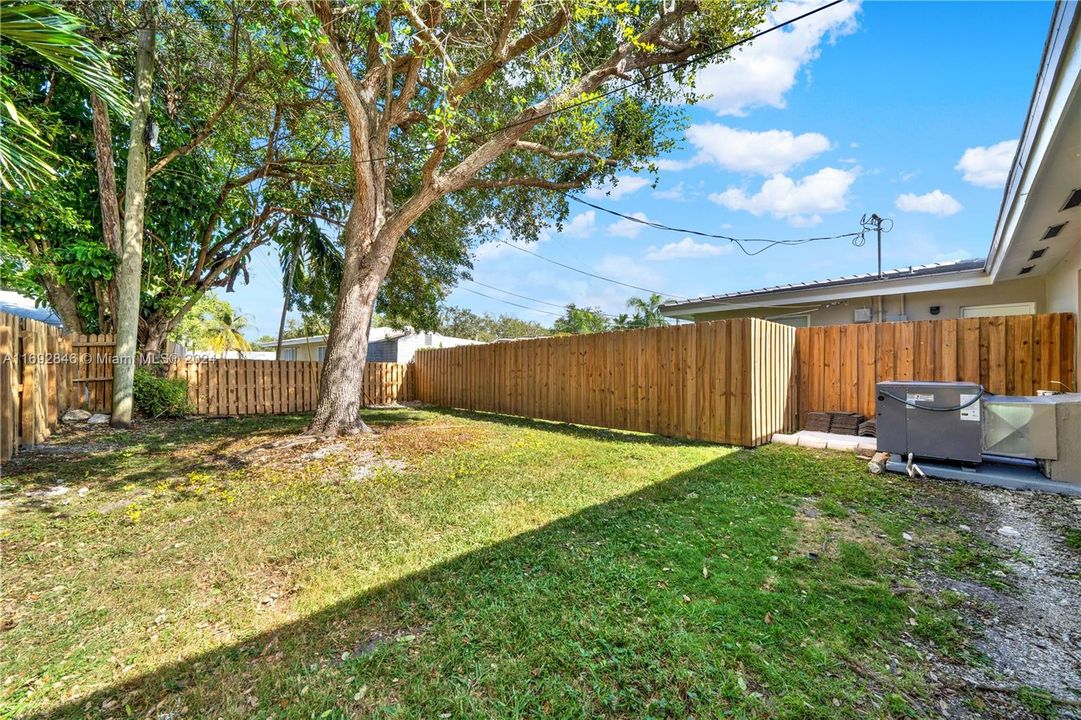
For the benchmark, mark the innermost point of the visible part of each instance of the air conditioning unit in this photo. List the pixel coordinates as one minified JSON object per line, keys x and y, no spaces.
{"x":933,"y":420}
{"x":862,"y":315}
{"x":1043,"y":428}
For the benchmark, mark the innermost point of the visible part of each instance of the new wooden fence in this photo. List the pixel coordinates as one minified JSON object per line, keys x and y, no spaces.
{"x":36,"y":371}
{"x":45,"y":372}
{"x":263,"y":387}
{"x":732,"y":381}
{"x":1017,"y":355}
{"x":726,"y":381}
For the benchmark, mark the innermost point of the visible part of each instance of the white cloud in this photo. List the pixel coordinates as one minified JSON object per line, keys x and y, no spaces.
{"x":674,"y":165}
{"x":627,"y":228}
{"x":935,"y":202}
{"x":987,"y":166}
{"x":800,"y":201}
{"x":676,"y":192}
{"x":767,"y":152}
{"x":687,"y":248}
{"x":627,"y":269}
{"x":627,"y":184}
{"x":582,"y":224}
{"x":763,"y":72}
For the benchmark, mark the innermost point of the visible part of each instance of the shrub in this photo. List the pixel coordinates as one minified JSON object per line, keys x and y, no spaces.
{"x":160,"y":396}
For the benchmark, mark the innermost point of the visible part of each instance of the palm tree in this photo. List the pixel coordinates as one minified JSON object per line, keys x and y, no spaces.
{"x":225,"y":328}
{"x":647,"y":312}
{"x":311,"y":268}
{"x":53,"y":34}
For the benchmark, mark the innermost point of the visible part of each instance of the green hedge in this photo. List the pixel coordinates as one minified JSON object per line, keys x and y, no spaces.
{"x":161,"y":396}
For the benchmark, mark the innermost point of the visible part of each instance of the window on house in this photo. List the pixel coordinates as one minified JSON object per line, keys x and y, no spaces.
{"x":797,"y":321}
{"x":289,"y":353}
{"x":977,"y":311}
{"x":320,"y":352}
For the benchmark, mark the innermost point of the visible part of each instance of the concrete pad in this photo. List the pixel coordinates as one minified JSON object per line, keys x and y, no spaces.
{"x":827,"y":441}
{"x":995,"y":474}
{"x":842,"y":443}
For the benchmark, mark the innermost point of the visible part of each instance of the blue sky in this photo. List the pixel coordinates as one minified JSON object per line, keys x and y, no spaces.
{"x":910,"y":110}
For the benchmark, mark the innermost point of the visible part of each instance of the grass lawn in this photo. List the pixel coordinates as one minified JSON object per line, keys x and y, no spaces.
{"x":508,"y":569}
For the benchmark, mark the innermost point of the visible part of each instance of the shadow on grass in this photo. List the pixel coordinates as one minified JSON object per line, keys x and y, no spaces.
{"x":148,"y":454}
{"x":606,"y":611}
{"x":557,"y":426}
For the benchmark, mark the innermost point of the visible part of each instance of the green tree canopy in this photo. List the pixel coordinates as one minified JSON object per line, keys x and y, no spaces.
{"x":580,"y":320}
{"x":492,"y":110}
{"x":464,"y":323}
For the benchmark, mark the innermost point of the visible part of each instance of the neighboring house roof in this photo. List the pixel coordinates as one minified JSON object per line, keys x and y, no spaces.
{"x":230,"y":355}
{"x":1042,"y":183}
{"x":18,"y":305}
{"x":377,"y":334}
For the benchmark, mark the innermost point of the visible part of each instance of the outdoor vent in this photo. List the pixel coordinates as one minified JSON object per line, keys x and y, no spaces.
{"x":862,"y":315}
{"x":1026,"y":270}
{"x":1037,"y":254}
{"x":1074,"y":200}
{"x":1053,"y":231}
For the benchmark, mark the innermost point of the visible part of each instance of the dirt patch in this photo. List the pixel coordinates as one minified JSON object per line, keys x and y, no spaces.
{"x":420,"y":440}
{"x":820,"y":532}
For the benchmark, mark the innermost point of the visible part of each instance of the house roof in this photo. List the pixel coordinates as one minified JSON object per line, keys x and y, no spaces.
{"x":871,"y":280}
{"x":374,"y":335}
{"x":18,"y":305}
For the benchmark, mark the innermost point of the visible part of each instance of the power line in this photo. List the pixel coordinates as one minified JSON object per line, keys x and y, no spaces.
{"x":524,"y":307}
{"x":533,"y":299}
{"x":622,"y":88}
{"x":586,"y":272}
{"x":857,"y":237}
{"x":524,"y":297}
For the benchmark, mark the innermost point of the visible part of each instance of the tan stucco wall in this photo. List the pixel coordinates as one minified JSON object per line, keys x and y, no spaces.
{"x":917,"y":306}
{"x":1064,"y":295}
{"x":1064,"y":283}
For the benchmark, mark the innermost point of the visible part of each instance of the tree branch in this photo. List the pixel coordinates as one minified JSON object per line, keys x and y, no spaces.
{"x":208,"y":127}
{"x":541,"y":183}
{"x":502,"y":54}
{"x":579,"y":154}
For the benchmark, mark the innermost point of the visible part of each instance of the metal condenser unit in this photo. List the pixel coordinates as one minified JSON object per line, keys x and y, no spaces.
{"x":931,"y":420}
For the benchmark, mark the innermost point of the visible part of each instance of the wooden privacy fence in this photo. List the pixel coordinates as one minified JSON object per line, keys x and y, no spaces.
{"x":36,"y":371}
{"x":45,"y":372}
{"x":92,"y":386}
{"x":727,"y":381}
{"x":732,"y":381}
{"x":262,"y":387}
{"x":1017,"y":355}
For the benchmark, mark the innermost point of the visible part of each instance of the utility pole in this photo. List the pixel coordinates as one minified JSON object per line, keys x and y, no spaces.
{"x":878,"y":231}
{"x":880,"y":225}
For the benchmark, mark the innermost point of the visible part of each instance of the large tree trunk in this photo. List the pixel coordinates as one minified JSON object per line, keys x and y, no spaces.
{"x":367,"y":260}
{"x":110,"y":207}
{"x":157,"y":329}
{"x":62,"y":300}
{"x":129,"y":272}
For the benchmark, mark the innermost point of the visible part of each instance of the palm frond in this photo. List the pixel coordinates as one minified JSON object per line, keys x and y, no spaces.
{"x":26,"y":161}
{"x":53,"y":34}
